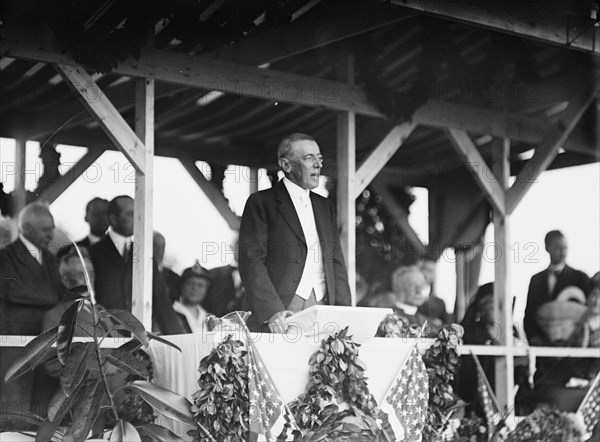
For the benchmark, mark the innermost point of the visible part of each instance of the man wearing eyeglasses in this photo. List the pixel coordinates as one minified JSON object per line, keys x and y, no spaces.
{"x":290,"y":254}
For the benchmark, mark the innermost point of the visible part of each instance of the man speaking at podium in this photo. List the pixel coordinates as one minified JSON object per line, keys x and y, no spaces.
{"x":290,"y":254}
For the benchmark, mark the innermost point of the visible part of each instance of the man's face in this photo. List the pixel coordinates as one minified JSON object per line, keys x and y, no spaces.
{"x":557,"y":249}
{"x":303,"y":165}
{"x":40,"y":231}
{"x":158,"y":247}
{"x":123,"y":222}
{"x":96,"y":217}
{"x":193,"y":290}
{"x":411,"y":288}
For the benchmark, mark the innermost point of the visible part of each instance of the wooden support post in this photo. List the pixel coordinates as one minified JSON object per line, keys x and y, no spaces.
{"x":502,"y":293}
{"x":346,"y":201}
{"x":379,"y":157}
{"x":253,"y":177}
{"x":461,"y":284}
{"x":21,"y":170}
{"x":213,"y":193}
{"x":56,"y":189}
{"x":141,"y":305}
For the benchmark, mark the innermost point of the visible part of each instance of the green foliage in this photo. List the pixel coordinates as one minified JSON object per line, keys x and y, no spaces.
{"x":221,"y":405}
{"x":441,"y":360}
{"x":546,"y":424}
{"x":84,"y":398}
{"x":337,"y":375}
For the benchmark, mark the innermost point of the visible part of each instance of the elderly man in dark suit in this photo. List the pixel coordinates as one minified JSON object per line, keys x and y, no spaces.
{"x":29,"y":286}
{"x":112,"y":258}
{"x":289,"y":254}
{"x":547,"y":285}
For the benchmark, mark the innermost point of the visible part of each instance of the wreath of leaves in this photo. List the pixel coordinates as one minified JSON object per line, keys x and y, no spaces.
{"x":337,"y":375}
{"x":221,"y":405}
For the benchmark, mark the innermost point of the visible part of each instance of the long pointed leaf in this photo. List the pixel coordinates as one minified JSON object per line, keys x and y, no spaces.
{"x":158,"y":433}
{"x":46,"y":431}
{"x":129,"y":322}
{"x":86,"y":410}
{"x":60,"y":403}
{"x":66,"y":330}
{"x":125,"y":432}
{"x":7,"y":418}
{"x":131,"y":346}
{"x":164,"y":341}
{"x":75,"y":366}
{"x":32,"y":355}
{"x":128,"y":362}
{"x":167,"y":403}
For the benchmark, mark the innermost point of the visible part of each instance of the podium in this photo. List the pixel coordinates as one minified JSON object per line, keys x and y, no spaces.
{"x":285,"y":357}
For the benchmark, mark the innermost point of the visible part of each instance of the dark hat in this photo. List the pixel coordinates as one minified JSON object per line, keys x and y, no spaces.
{"x":196,"y":271}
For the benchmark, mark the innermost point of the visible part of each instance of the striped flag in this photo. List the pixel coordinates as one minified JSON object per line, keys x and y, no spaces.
{"x":407,"y":399}
{"x":269,"y":415}
{"x":489,"y":403}
{"x":590,"y":406}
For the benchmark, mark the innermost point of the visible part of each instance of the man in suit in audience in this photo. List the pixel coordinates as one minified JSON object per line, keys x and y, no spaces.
{"x":226,"y":292}
{"x":95,"y":216}
{"x":433,"y":307}
{"x":112,"y":258}
{"x":29,"y":286}
{"x":290,"y":255}
{"x":170,"y":278}
{"x":546,"y":285}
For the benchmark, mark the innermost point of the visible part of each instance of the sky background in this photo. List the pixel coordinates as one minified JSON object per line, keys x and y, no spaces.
{"x":566,"y":199}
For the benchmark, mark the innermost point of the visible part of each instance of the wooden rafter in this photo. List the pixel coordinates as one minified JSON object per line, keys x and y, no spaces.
{"x":548,"y":148}
{"x":484,"y":177}
{"x":52,"y":192}
{"x":567,"y":30}
{"x":379,"y":156}
{"x":105,"y":113}
{"x":399,"y":213}
{"x":213,"y":194}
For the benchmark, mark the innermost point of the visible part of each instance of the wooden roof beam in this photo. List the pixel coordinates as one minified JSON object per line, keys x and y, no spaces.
{"x":213,"y":194}
{"x":484,"y":177}
{"x":566,"y":30}
{"x":548,"y":148}
{"x":379,"y":156}
{"x":198,"y":72}
{"x":109,"y":118}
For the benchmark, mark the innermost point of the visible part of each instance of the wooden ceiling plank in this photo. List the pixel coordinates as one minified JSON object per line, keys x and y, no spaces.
{"x":105,"y":113}
{"x":380,"y":155}
{"x":483,"y":175}
{"x":565,"y":30}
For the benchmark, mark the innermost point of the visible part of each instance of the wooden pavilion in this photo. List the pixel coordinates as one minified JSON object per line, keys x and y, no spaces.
{"x":397,"y":92}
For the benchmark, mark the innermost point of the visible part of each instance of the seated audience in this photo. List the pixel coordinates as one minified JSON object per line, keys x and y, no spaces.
{"x":433,"y":307}
{"x":95,"y":216}
{"x":410,"y":292}
{"x":29,"y":286}
{"x":193,"y":287}
{"x":169,"y":277}
{"x":548,"y":284}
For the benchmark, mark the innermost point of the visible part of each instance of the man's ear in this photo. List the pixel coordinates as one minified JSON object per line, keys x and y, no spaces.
{"x":284,"y":164}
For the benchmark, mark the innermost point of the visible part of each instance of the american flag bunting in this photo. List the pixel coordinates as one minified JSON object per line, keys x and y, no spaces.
{"x":590,"y":406}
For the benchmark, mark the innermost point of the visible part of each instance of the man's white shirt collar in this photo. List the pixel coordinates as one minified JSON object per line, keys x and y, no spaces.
{"x":295,"y":191}
{"x":36,"y":252}
{"x":119,"y":240}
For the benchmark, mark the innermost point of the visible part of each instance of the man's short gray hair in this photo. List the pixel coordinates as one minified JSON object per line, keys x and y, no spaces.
{"x":287,"y":144}
{"x":32,"y":211}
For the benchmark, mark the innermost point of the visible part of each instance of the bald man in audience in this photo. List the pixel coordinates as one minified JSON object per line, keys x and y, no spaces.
{"x":30,"y":286}
{"x":95,"y":216}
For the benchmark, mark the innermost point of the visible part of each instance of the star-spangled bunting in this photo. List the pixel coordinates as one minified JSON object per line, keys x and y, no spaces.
{"x":407,"y":399}
{"x":269,"y":414}
{"x":489,"y":403}
{"x":590,"y":406}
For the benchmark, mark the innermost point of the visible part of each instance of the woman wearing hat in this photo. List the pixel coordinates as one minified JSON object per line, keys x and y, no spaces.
{"x":193,"y":287}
